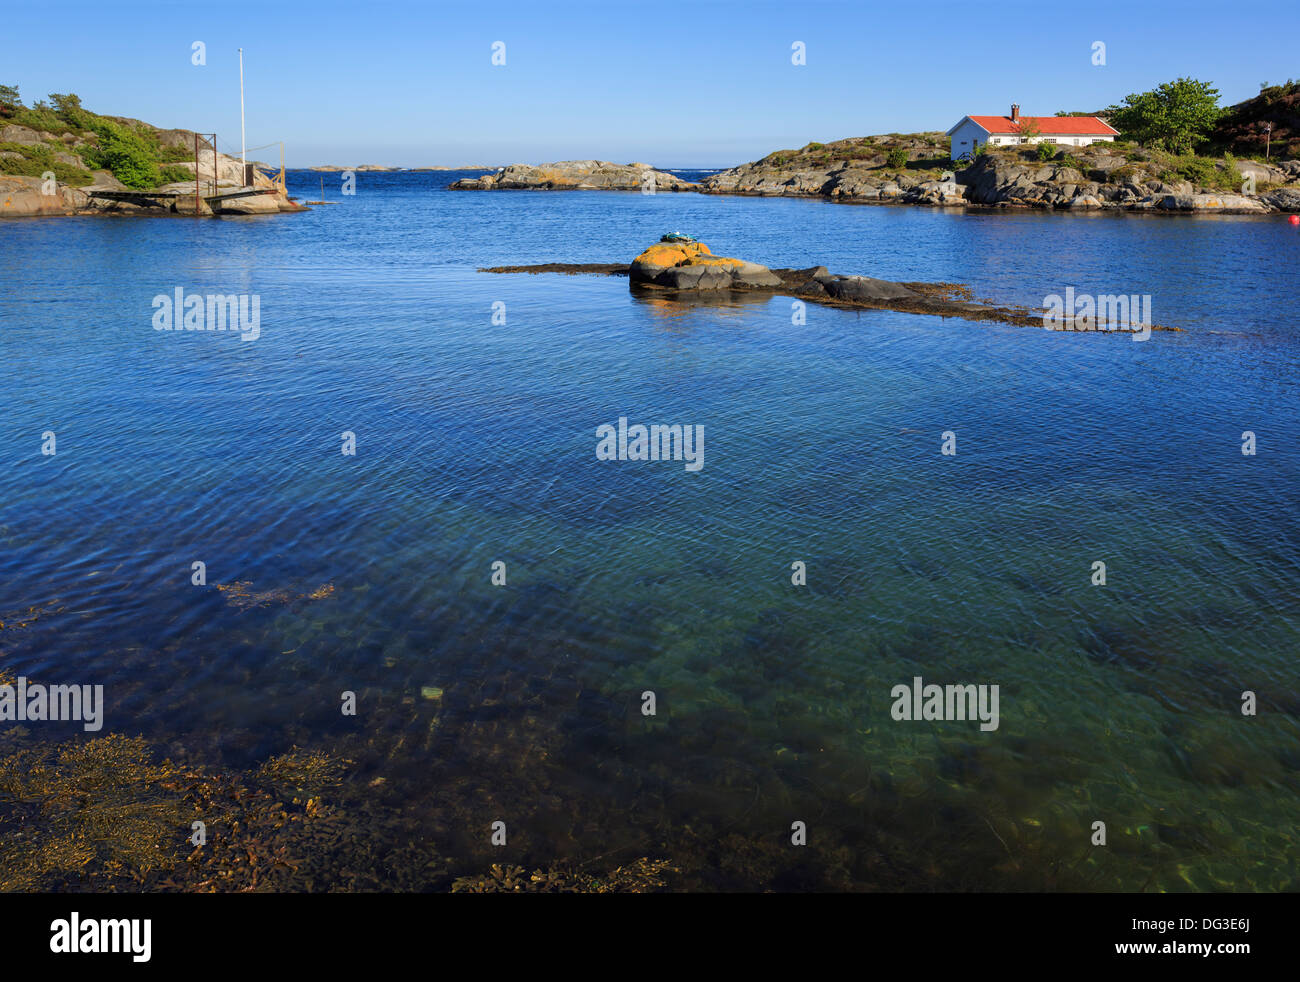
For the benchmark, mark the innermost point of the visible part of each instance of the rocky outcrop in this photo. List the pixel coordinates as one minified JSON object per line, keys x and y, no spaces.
{"x":1102,"y":181}
{"x":857,"y":180}
{"x":691,"y":266}
{"x":569,"y":175}
{"x":1231,"y":204}
{"x":1284,"y":199}
{"x":915,"y":170}
{"x":818,"y":282}
{"x":27,"y":197}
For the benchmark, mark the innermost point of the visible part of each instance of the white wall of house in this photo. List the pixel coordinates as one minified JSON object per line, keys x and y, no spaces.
{"x":966,"y":137}
{"x":1064,"y":139}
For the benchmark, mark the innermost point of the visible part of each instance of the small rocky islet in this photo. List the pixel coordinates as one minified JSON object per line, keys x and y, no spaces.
{"x":575,"y":175}
{"x":681,"y":268}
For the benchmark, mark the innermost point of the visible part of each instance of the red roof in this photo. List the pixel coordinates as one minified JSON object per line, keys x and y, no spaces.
{"x":1049,"y":125}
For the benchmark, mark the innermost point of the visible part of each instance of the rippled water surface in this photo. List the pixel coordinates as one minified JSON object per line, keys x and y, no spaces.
{"x":475,"y":444}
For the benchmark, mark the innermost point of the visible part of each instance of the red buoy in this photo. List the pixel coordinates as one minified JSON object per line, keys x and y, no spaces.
{"x":1294,"y":219}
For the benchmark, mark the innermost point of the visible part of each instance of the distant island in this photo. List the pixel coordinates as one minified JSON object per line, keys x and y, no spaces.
{"x":332,"y":168}
{"x":576,"y":175}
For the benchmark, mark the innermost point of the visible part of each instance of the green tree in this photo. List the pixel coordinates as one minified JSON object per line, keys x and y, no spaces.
{"x":68,"y":107}
{"x":1176,"y":116}
{"x":1028,"y":130}
{"x":9,"y":96}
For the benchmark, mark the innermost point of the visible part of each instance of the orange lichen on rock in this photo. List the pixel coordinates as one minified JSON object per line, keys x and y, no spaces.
{"x":664,"y":255}
{"x":691,"y":266}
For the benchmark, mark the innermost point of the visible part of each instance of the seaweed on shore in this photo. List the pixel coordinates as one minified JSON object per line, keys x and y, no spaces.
{"x":85,"y":813}
{"x":643,"y":875}
{"x":569,"y":269}
{"x":105,"y":815}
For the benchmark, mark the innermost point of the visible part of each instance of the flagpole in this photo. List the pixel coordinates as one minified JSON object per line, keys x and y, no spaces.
{"x":243,"y":143}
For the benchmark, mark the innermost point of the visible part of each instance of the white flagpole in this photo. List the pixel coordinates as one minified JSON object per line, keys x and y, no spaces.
{"x":243,"y":143}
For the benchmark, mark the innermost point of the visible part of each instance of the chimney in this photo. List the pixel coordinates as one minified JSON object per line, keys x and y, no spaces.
{"x":1015,"y":113}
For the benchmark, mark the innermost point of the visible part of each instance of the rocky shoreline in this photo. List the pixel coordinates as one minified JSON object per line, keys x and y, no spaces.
{"x":24,"y":196}
{"x":915,"y":171}
{"x":688,"y":270}
{"x":1087,"y":179}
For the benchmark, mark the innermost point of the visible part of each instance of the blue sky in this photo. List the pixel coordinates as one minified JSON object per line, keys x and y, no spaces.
{"x":699,"y":83}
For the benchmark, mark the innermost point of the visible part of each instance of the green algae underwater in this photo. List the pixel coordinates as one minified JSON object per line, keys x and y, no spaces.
{"x":407,"y":805}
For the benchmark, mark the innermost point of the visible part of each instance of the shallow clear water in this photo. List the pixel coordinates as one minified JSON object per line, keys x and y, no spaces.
{"x":475,"y":444}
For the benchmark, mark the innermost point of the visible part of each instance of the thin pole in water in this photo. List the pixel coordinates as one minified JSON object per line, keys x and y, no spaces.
{"x":243,"y":143}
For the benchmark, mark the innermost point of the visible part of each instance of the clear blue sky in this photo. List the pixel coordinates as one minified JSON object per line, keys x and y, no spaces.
{"x":699,"y":83}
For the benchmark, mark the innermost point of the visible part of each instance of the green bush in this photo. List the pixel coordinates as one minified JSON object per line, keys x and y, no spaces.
{"x":1202,"y":172}
{"x":1230,"y":176}
{"x":125,"y":153}
{"x":897,"y":158}
{"x":1046,"y":151}
{"x":174,"y":172}
{"x":40,"y":117}
{"x":172,"y":155}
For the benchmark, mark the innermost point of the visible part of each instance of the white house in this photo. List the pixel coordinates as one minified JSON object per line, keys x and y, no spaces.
{"x":1070,"y":131}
